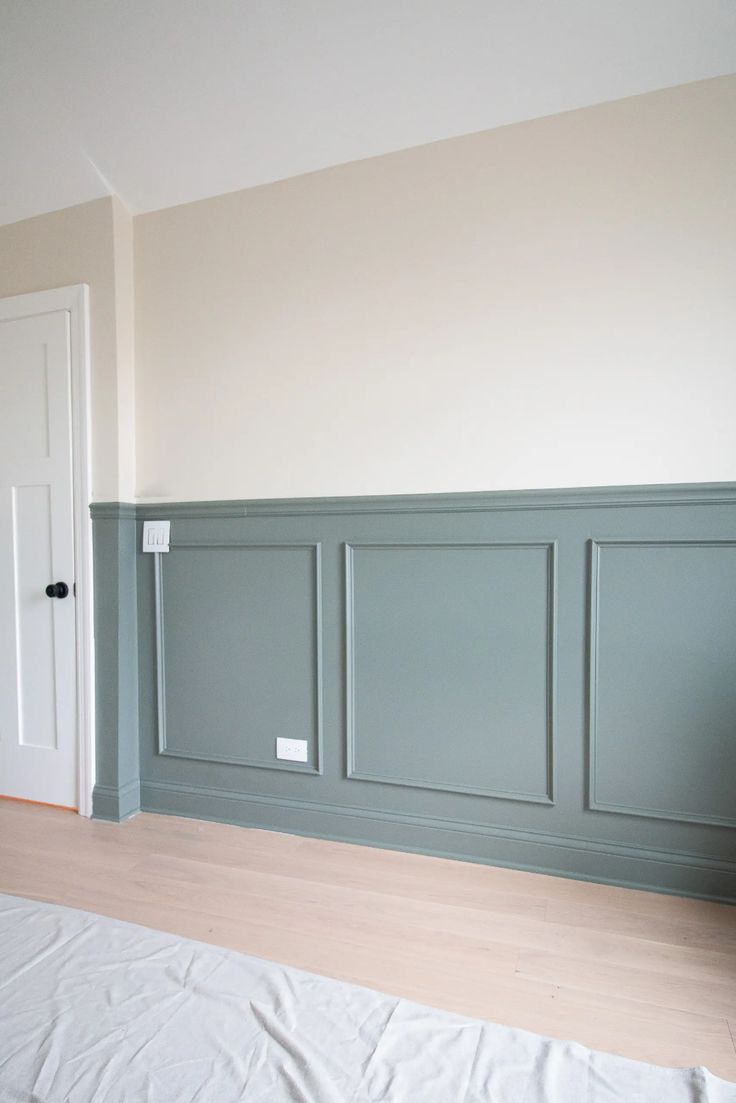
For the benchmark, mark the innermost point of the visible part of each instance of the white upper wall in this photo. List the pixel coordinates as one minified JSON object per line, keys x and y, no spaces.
{"x":167,"y":102}
{"x":548,"y":304}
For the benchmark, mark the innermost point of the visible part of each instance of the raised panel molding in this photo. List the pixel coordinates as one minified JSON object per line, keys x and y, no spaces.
{"x":164,"y":749}
{"x":545,"y":797}
{"x":593,"y":801}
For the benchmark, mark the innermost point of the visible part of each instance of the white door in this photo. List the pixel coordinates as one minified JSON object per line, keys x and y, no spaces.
{"x":38,"y":705}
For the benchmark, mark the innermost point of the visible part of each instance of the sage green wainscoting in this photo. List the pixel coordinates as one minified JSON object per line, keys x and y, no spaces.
{"x":117,"y":792}
{"x":539,"y":679}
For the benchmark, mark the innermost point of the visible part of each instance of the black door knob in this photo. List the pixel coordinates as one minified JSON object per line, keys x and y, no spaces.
{"x":57,"y":589}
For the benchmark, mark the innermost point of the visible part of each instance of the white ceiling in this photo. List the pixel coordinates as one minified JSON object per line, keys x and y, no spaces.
{"x":166,"y":101}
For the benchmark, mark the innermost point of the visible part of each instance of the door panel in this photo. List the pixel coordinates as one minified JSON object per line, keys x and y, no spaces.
{"x":24,"y":426}
{"x":38,"y":743}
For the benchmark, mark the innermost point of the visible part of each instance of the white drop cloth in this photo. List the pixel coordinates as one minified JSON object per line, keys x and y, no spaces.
{"x":95,"y":1010}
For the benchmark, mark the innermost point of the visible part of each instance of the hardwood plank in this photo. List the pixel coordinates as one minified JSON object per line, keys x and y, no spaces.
{"x":711,"y":997}
{"x":457,"y":883}
{"x":323,"y":858}
{"x":491,"y":923}
{"x":686,"y":932}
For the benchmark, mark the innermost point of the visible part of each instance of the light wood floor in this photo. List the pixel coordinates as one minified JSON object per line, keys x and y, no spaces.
{"x":635,"y":973}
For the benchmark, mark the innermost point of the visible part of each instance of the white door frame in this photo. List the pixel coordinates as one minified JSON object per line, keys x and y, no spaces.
{"x":75,"y":300}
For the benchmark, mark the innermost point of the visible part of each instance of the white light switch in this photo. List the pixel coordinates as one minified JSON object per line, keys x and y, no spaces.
{"x":156,"y":536}
{"x":293,"y":750}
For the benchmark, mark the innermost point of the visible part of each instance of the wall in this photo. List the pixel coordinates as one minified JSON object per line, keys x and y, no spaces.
{"x":548,"y":304}
{"x":88,"y":244}
{"x":544,"y":679}
{"x":541,"y":680}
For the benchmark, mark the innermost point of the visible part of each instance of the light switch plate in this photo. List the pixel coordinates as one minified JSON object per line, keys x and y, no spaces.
{"x":156,"y":536}
{"x":293,"y":750}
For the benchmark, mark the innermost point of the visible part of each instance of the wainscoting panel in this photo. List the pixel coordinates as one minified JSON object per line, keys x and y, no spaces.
{"x":445,"y":639}
{"x":258,"y":674}
{"x":543,"y":679}
{"x":662,"y":722}
{"x":117,"y":790}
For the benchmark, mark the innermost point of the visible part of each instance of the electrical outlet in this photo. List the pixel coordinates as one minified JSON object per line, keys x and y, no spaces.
{"x":293,"y":750}
{"x":156,"y":536}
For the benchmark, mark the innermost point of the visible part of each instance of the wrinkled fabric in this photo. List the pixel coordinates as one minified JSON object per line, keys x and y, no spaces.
{"x":93,"y":1010}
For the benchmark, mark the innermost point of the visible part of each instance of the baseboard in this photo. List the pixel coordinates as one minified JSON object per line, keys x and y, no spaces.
{"x":110,"y":803}
{"x":564,"y":856}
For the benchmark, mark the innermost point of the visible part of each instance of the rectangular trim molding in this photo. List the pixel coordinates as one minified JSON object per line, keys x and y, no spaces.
{"x":417,"y":783}
{"x":164,"y":750}
{"x":594,"y":575}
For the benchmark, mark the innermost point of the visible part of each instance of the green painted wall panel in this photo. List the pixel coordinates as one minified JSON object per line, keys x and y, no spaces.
{"x":450,"y":662}
{"x":116,"y":793}
{"x":455,"y":675}
{"x":259,"y":676}
{"x":663,"y":680}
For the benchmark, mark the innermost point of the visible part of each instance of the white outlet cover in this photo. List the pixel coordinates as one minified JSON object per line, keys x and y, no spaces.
{"x":156,"y":536}
{"x":293,"y":750}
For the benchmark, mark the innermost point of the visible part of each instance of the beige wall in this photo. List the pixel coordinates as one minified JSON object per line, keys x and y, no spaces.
{"x":549,"y":304}
{"x":78,"y":245}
